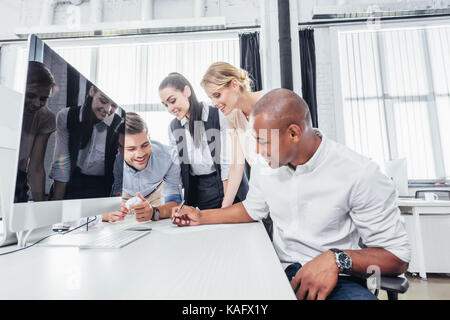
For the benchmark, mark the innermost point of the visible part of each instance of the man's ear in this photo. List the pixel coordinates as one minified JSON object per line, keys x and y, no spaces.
{"x":295,"y":132}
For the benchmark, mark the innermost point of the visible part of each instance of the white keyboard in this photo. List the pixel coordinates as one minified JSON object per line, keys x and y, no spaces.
{"x":105,"y":239}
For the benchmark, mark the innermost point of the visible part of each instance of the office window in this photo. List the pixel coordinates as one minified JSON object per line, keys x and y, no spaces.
{"x":13,"y":66}
{"x":79,"y":57}
{"x":131,"y":73}
{"x":396,"y":96}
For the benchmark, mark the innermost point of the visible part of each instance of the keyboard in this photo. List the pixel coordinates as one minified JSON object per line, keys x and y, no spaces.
{"x":105,"y":239}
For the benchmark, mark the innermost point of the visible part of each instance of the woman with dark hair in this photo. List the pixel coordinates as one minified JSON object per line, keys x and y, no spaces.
{"x":199,"y":133}
{"x":86,"y":147}
{"x":38,"y":123}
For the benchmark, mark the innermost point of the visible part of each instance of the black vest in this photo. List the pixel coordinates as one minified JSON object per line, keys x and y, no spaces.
{"x":212,"y":129}
{"x":111,"y":146}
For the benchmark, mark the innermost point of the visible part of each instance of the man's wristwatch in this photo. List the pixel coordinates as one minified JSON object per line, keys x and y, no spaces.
{"x":156,"y":214}
{"x":343,"y":261}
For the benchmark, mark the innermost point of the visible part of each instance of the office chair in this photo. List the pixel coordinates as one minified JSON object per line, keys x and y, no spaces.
{"x":393,"y":285}
{"x":442,"y":194}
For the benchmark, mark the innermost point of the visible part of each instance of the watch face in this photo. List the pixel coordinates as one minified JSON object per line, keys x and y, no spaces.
{"x":344,"y":261}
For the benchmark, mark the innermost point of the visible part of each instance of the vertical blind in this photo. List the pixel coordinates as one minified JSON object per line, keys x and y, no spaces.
{"x":395,"y":90}
{"x":131,"y":73}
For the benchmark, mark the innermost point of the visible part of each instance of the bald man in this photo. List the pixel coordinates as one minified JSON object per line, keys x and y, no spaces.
{"x":323,"y":198}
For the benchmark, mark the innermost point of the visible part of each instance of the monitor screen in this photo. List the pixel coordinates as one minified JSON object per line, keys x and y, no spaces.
{"x":69,"y":141}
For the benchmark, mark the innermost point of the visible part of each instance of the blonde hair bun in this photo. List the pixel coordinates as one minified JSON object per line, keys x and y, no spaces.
{"x":245,"y":80}
{"x":220,"y":74}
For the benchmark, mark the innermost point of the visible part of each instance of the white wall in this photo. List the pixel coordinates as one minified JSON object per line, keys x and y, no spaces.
{"x":27,"y":13}
{"x":20,"y":13}
{"x":10,"y":17}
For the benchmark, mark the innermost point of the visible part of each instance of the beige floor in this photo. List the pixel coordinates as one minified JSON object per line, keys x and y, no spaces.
{"x":436,"y":287}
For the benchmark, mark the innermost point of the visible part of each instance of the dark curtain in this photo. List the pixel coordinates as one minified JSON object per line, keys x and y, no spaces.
{"x":250,"y":59}
{"x":308,"y":65}
{"x":251,"y":62}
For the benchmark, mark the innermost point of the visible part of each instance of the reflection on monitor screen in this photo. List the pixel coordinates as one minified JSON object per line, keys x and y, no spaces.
{"x":66,"y":164}
{"x":69,"y":141}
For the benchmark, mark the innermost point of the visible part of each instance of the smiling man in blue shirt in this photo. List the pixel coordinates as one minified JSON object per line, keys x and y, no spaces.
{"x":150,"y":172}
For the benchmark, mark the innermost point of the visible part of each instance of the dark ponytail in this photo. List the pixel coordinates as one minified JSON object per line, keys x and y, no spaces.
{"x":88,"y":118}
{"x":179,"y":82}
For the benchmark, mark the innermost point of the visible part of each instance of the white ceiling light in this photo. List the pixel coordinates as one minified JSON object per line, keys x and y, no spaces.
{"x":125,"y":28}
{"x":393,"y":9}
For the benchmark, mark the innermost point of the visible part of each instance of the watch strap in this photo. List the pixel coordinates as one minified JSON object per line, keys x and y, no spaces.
{"x":156,"y":214}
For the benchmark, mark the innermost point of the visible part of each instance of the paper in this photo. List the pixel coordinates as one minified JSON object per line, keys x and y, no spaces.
{"x":174,"y":229}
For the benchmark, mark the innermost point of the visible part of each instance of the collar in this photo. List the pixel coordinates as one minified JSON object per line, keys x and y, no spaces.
{"x":130,"y":168}
{"x":205,"y":115}
{"x":317,"y":157}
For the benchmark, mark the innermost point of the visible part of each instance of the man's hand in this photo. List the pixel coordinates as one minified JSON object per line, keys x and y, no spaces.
{"x":124,"y":209}
{"x":316,"y":278}
{"x":143,"y":211}
{"x":113,"y":216}
{"x":187,"y":216}
{"x":116,"y":215}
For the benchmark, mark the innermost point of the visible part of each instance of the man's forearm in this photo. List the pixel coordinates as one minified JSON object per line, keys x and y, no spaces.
{"x":233,"y":214}
{"x":165,"y":211}
{"x":388,"y":263}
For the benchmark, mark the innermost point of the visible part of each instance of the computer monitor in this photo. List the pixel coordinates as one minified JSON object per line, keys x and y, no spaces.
{"x":9,"y":140}
{"x":58,"y":146}
{"x":397,"y":171}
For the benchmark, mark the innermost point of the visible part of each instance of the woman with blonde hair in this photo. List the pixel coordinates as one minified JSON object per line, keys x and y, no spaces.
{"x":229,"y":88}
{"x":205,"y":157}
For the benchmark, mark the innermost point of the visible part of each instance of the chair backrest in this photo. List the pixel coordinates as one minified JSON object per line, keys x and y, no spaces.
{"x":442,"y":194}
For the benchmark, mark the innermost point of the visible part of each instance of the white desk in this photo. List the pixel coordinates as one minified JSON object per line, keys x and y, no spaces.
{"x":420,"y":259}
{"x":231,"y":262}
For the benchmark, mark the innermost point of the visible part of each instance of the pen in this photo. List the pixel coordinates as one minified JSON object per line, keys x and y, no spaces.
{"x":178,"y":210}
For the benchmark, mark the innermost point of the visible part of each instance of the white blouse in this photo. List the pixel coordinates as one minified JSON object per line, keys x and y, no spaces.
{"x":200,"y":160}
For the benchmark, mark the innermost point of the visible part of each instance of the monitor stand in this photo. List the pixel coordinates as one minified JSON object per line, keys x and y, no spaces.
{"x":30,"y":216}
{"x":6,"y":237}
{"x":25,"y":213}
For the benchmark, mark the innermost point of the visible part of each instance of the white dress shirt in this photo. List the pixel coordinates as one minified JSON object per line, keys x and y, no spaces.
{"x":200,"y":160}
{"x":331,"y":201}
